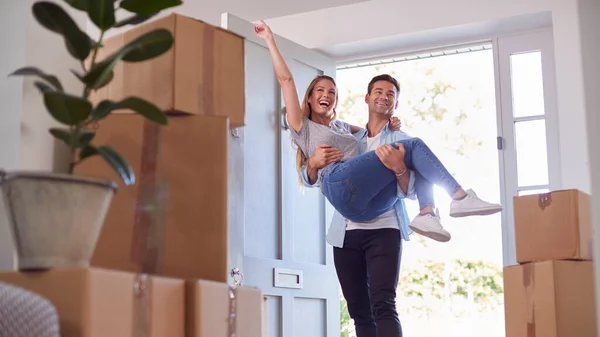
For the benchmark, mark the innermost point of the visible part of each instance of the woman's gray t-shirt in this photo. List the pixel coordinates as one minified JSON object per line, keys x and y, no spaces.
{"x":337,"y":135}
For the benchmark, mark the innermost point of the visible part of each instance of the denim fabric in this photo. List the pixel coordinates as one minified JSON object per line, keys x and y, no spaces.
{"x":362,"y":188}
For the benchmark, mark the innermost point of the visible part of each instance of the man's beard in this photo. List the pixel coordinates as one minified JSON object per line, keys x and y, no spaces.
{"x":384,"y":112}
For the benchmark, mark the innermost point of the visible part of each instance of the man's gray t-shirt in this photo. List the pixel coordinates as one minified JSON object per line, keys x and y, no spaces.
{"x":337,"y":135}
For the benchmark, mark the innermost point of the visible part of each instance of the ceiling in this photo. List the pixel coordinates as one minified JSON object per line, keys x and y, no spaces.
{"x":350,"y":30}
{"x":254,"y":10}
{"x":378,"y":27}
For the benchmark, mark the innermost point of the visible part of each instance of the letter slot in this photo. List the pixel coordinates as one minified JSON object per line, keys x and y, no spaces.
{"x":287,"y":278}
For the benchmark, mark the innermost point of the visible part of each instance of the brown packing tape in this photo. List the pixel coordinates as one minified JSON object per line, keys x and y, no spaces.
{"x":531,"y":328}
{"x":529,"y":285}
{"x":149,"y":226}
{"x":142,"y":304}
{"x":528,"y":275}
{"x":544,"y":200}
{"x":206,"y":95}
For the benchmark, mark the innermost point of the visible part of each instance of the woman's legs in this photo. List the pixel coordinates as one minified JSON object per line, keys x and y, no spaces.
{"x":362,"y":188}
{"x":352,"y":185}
{"x":420,"y":158}
{"x":464,"y":203}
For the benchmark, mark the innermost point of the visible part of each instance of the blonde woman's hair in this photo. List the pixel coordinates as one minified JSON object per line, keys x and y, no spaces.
{"x":307,"y":111}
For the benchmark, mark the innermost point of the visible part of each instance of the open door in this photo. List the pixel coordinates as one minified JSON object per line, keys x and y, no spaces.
{"x":277,"y":229}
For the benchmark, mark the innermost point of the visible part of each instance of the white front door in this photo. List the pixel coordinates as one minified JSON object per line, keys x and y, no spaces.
{"x":277,"y":230}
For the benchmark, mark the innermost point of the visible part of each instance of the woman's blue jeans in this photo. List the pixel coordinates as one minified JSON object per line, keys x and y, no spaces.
{"x":362,"y":188}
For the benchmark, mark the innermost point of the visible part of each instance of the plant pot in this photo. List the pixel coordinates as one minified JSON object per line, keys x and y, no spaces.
{"x":55,"y":219}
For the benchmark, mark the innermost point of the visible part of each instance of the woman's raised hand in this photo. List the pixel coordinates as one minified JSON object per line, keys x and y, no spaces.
{"x":263,"y":31}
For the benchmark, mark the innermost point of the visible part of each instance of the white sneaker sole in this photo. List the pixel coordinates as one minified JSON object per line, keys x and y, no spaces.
{"x":478,"y":211}
{"x":436,"y":236}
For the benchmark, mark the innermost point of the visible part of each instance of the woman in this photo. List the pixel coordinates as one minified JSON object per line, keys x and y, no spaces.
{"x":359,"y":187}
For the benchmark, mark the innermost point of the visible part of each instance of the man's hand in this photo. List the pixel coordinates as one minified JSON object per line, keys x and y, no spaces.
{"x":392,"y":159}
{"x":323,"y":156}
{"x":395,"y":123}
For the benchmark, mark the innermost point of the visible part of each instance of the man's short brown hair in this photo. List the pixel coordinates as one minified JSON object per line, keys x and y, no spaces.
{"x":383,"y":77}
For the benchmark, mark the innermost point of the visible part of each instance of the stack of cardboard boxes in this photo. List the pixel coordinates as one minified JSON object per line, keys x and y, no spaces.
{"x":551,"y":291}
{"x":160,"y":265}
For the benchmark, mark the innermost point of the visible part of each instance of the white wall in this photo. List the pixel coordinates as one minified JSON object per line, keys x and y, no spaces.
{"x":589,"y":11}
{"x":47,"y":51}
{"x":24,"y":139}
{"x":13,"y":54}
{"x":571,"y":99}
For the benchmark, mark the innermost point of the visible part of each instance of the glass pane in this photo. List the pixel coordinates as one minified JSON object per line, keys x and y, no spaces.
{"x":532,"y":156}
{"x":530,"y":192}
{"x":527,"y":84}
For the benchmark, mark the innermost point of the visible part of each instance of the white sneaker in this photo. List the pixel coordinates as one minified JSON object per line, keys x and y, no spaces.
{"x":472,"y":205}
{"x":430,"y":226}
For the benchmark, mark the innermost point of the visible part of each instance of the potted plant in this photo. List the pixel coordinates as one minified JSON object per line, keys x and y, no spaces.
{"x":56,"y":218}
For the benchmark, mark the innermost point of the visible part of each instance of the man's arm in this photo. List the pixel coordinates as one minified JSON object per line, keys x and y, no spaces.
{"x":307,"y":180}
{"x":409,"y":192}
{"x":403,"y":179}
{"x":393,"y":159}
{"x":312,"y":173}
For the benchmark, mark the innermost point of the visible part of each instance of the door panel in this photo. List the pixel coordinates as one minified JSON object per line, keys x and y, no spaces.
{"x":261,"y":167}
{"x":279,"y":242}
{"x":310,"y":314}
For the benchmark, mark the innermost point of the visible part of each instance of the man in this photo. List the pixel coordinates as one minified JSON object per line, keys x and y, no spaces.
{"x":367,"y":255}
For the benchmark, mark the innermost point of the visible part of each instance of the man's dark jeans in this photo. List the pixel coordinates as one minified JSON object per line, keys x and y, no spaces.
{"x":367,"y":267}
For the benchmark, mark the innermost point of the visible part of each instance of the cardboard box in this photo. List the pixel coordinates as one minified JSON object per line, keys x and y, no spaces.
{"x":183,"y":232}
{"x":550,"y":299}
{"x":553,"y":226}
{"x":209,"y":309}
{"x":98,"y":303}
{"x":202,"y":74}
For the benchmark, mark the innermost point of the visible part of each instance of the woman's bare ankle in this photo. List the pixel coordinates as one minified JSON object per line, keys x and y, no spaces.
{"x":459,"y":195}
{"x":426,"y":210}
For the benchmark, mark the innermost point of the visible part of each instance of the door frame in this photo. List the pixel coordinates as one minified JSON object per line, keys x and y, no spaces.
{"x":503,"y":47}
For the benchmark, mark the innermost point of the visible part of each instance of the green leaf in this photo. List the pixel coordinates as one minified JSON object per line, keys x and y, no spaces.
{"x":62,"y":134}
{"x":140,"y":106}
{"x":54,"y":18}
{"x":102,"y":13}
{"x":87,"y":152}
{"x":77,"y":74}
{"x":113,"y":158}
{"x":134,"y":20}
{"x":82,"y":138}
{"x":147,"y":46}
{"x":78,"y":4}
{"x":147,"y":7}
{"x":67,"y":109}
{"x":43,"y":87}
{"x":100,"y":73}
{"x":32,"y":71}
{"x":100,"y":85}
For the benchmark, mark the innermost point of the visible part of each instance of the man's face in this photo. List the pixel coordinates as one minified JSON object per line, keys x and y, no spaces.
{"x":382,"y":99}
